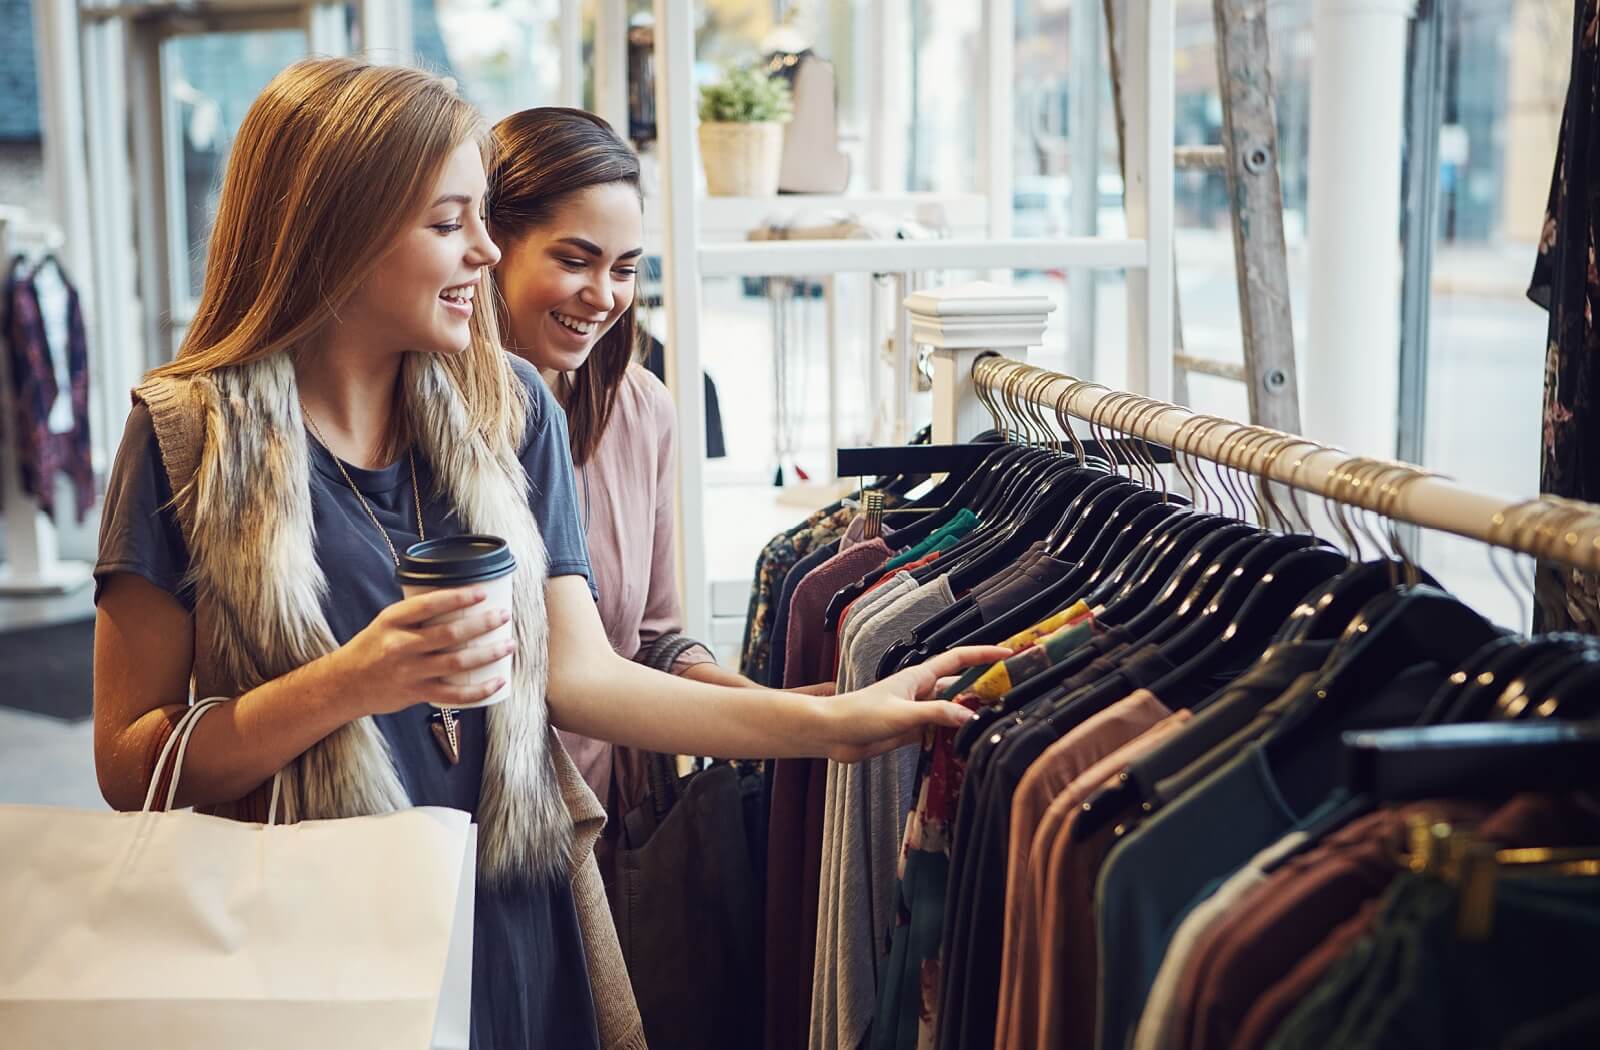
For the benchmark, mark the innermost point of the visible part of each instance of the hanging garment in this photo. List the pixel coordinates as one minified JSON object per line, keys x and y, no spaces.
{"x":780,"y":555}
{"x":1089,"y":860}
{"x":1029,"y":954}
{"x":1537,"y":962}
{"x":47,"y":444}
{"x":1566,"y":283}
{"x":803,"y":652}
{"x":907,"y":1011}
{"x":655,"y":360}
{"x":683,"y":869}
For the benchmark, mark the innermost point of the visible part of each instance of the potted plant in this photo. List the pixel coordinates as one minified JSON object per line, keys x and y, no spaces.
{"x":741,"y":133}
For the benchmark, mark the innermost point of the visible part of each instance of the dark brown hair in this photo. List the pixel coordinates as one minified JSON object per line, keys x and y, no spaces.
{"x":542,"y":157}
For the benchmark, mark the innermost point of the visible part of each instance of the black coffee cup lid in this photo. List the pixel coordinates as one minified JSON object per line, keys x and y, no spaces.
{"x":455,"y":561}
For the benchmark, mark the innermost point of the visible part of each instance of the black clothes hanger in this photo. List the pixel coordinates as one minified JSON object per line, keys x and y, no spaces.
{"x":1476,"y":701}
{"x":1421,"y":626}
{"x":964,"y":577}
{"x":1097,"y":484}
{"x":970,"y":624}
{"x":1197,"y":579}
{"x":1122,"y":508}
{"x":971,"y":495}
{"x":1228,"y":582}
{"x":1199,"y":587}
{"x":1476,"y":665}
{"x":1063,"y":593}
{"x":1523,"y":693}
{"x":1394,"y":656}
{"x":1165,"y":558}
{"x":966,"y":495}
{"x":1002,"y":490}
{"x":1131,"y":547}
{"x":1189,"y":588}
{"x":1040,"y":497}
{"x":1128,"y":563}
{"x":1576,"y":697}
{"x":1082,"y":523}
{"x":1285,"y":583}
{"x":1329,"y":611}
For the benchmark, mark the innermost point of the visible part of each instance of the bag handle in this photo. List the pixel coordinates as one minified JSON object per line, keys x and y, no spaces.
{"x":179,"y":741}
{"x":663,"y":775}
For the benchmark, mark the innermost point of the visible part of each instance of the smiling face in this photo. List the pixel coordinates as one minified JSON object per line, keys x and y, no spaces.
{"x":567,"y":281}
{"x":422,"y":294}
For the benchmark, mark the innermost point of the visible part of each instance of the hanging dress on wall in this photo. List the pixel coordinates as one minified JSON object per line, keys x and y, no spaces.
{"x":1565,"y":283}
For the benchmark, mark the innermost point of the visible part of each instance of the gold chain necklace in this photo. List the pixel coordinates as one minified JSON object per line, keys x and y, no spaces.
{"x":444,"y":720}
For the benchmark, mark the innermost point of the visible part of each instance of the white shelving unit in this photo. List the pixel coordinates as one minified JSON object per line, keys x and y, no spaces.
{"x":694,"y":231}
{"x":732,"y":218}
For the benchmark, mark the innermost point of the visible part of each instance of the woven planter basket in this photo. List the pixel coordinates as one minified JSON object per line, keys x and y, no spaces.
{"x":741,"y":159}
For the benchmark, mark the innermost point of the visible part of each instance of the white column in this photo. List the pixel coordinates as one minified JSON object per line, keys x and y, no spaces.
{"x":680,"y":288}
{"x":999,"y":113}
{"x":327,"y":29}
{"x":115,"y":360}
{"x":386,"y":31}
{"x":961,"y":323}
{"x":1083,"y":139}
{"x":569,"y":35}
{"x":1352,"y":365}
{"x":66,"y":165}
{"x":611,"y":63}
{"x":889,"y":104}
{"x":1148,"y":102}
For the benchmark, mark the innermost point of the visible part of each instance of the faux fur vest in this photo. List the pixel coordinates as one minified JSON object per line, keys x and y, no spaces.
{"x":235,"y":448}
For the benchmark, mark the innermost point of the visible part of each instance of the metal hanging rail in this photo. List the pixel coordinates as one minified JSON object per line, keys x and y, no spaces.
{"x":980,"y":332}
{"x":1552,"y":529}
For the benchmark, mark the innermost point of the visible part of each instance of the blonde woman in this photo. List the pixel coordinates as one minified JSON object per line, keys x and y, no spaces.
{"x":341,"y":394}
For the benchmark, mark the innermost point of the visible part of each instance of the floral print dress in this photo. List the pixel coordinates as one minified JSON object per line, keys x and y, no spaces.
{"x":1565,"y":283}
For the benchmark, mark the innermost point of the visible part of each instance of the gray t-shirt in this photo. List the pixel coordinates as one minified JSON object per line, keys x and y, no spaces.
{"x":529,"y":987}
{"x":868,"y":803}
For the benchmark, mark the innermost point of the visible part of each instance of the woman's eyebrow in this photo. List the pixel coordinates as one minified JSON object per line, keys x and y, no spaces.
{"x":452,"y":198}
{"x":591,"y":248}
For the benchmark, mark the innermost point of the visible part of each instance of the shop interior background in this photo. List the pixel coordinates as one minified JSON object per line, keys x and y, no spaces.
{"x":1477,"y":341}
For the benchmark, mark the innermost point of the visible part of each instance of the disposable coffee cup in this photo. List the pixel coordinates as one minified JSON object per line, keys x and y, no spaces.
{"x":466,"y":561}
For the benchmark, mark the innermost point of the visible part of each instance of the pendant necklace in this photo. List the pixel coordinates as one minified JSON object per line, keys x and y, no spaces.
{"x":443,"y":722}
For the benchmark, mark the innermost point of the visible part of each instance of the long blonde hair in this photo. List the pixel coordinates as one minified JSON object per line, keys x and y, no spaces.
{"x":334,"y":159}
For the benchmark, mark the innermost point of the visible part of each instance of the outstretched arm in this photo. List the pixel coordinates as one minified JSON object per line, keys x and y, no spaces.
{"x":598,"y":694}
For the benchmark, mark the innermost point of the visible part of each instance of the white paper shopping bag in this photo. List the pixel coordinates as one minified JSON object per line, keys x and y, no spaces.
{"x":452,"y":1025}
{"x":183,"y":931}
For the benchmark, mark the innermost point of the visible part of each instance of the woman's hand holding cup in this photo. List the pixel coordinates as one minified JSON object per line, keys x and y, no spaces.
{"x":410,"y":650}
{"x":450,"y":641}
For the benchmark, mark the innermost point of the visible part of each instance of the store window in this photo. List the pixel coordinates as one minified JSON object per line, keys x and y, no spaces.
{"x":1503,"y":69}
{"x":208,"y":82}
{"x":505,"y":55}
{"x":1481,"y":343}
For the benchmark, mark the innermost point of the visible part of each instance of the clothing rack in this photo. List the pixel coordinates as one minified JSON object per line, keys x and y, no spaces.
{"x":32,"y":563}
{"x":968,"y":323}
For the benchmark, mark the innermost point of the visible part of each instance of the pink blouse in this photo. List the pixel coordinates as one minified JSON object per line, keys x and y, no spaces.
{"x":625,"y":495}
